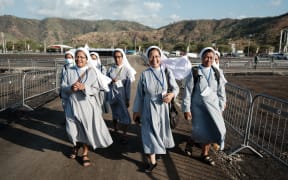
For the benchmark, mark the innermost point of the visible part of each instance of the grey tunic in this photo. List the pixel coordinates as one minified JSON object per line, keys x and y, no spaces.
{"x":84,"y":122}
{"x":155,"y":129}
{"x":120,"y":92}
{"x":102,"y":94}
{"x":206,"y":103}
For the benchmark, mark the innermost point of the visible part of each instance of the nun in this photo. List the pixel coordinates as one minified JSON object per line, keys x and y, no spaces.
{"x":84,"y":123}
{"x":96,"y":62}
{"x":69,"y":63}
{"x":203,"y":102}
{"x":151,"y":107}
{"x":122,"y":75}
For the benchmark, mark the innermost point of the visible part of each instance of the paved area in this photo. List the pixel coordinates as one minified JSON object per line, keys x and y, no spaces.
{"x":34,"y":145}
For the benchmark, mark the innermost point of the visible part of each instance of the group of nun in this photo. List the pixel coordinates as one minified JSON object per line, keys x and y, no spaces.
{"x":86,"y":86}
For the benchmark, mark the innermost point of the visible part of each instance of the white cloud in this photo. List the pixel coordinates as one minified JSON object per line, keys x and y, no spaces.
{"x":132,"y":10}
{"x":6,"y":3}
{"x":276,"y":2}
{"x":175,"y":17}
{"x":153,"y":6}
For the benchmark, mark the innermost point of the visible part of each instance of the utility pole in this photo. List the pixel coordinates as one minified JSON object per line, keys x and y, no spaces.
{"x":248,"y":53}
{"x":3,"y":42}
{"x":284,"y":39}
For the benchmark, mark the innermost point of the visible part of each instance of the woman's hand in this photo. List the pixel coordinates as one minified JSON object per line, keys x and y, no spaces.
{"x":167,"y":98}
{"x":77,"y":86}
{"x":188,"y":115}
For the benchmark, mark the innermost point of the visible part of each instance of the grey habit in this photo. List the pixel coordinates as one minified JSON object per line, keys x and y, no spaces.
{"x":84,"y":122}
{"x":206,"y":103}
{"x":155,"y":128}
{"x":102,"y":94}
{"x":119,"y":93}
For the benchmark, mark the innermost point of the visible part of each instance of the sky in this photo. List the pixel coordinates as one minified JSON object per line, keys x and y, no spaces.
{"x":153,"y":13}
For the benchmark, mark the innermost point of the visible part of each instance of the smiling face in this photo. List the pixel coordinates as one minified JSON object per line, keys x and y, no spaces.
{"x":208,"y":58}
{"x":80,"y":59}
{"x":118,"y":57}
{"x":154,"y":58}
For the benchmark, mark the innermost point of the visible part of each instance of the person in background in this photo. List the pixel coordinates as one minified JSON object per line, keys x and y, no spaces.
{"x":151,"y":107}
{"x":203,"y":102}
{"x":96,"y":62}
{"x":84,"y":124}
{"x":122,"y":75}
{"x":69,"y":63}
{"x":217,"y":65}
{"x":256,"y":59}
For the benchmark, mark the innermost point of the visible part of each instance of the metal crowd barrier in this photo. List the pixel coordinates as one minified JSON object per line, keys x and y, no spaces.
{"x":269,"y":126}
{"x":237,"y":113}
{"x":37,"y":78}
{"x":36,"y":83}
{"x":10,"y":91}
{"x":16,"y":89}
{"x":261,"y":122}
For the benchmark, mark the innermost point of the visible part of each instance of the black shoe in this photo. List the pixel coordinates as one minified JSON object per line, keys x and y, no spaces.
{"x":150,"y":167}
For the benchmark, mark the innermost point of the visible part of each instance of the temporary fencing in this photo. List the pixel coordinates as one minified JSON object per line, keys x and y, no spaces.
{"x":10,"y":91}
{"x":31,"y":78}
{"x":268,"y":128}
{"x":262,"y":122}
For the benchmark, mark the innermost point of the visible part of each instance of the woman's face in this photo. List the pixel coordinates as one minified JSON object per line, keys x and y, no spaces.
{"x":154,"y":58}
{"x":68,"y":56}
{"x":118,"y":57}
{"x":208,"y":59}
{"x":216,"y":59}
{"x":80,"y":59}
{"x":94,"y":57}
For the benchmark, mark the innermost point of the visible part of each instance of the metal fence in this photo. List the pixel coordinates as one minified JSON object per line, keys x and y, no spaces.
{"x":29,"y":78}
{"x":10,"y":91}
{"x":16,"y":89}
{"x":237,"y":114}
{"x":262,"y":122}
{"x":268,"y":128}
{"x":247,"y":65}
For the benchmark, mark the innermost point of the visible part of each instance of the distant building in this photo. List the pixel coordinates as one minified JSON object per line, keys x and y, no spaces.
{"x":58,"y":48}
{"x":102,"y":51}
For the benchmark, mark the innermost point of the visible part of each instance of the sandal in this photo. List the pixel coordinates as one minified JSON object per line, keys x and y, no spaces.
{"x":149,"y":168}
{"x":74,"y":152}
{"x":85,"y":161}
{"x":207,"y":159}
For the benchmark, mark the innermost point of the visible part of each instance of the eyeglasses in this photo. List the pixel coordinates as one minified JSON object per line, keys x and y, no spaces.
{"x":154,"y":57}
{"x":80,"y":57}
{"x":209,"y":58}
{"x":116,"y":57}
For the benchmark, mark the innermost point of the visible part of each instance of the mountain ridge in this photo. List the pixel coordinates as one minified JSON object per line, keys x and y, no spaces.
{"x":109,"y":33}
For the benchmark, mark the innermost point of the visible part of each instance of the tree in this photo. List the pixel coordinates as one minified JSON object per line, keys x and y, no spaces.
{"x":252,"y":50}
{"x":224,"y":48}
{"x":180,"y":46}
